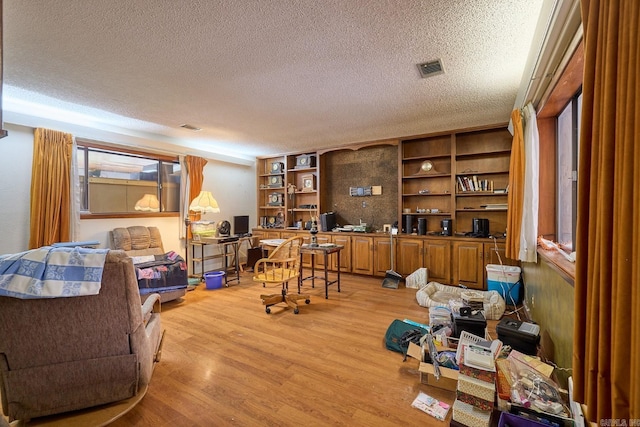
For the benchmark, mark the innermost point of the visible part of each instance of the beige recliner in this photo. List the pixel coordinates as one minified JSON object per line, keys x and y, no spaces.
{"x":139,"y":241}
{"x":64,"y":354}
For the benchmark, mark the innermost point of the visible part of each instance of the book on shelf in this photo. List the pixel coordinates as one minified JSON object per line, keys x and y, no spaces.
{"x":473,"y":183}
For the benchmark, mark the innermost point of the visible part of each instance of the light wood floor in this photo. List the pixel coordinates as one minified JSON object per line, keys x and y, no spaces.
{"x":226,"y":362}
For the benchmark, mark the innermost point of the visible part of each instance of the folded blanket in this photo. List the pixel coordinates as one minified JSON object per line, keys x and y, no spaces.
{"x":49,"y":272}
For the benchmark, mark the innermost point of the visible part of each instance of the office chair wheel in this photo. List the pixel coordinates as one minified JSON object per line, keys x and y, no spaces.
{"x":268,"y":310}
{"x":296,"y":311}
{"x":307,"y":301}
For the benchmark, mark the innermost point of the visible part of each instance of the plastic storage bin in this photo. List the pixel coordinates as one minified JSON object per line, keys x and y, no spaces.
{"x":203,"y":229}
{"x":506,"y":280}
{"x":511,"y":420}
{"x":213,"y":279}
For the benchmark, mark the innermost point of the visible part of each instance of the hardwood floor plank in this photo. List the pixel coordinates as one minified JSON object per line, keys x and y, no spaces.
{"x":225,"y":361}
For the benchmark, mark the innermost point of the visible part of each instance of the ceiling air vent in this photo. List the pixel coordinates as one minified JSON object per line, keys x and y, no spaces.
{"x":190,"y":127}
{"x":431,"y":68}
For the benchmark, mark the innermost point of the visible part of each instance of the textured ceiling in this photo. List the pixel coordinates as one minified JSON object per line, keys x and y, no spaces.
{"x":269,"y":76}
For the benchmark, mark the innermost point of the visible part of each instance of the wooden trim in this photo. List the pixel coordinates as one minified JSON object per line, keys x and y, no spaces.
{"x":124,"y":150}
{"x":358,"y":146}
{"x":547,"y":178}
{"x":393,"y":141}
{"x":565,"y":268}
{"x":568,"y":84}
{"x":457,"y":131}
{"x":129,"y":215}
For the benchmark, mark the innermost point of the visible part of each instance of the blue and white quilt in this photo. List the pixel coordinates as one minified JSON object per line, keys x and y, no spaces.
{"x":52,"y":272}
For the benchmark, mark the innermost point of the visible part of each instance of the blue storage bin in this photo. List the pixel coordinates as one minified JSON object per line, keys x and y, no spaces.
{"x":213,"y":279}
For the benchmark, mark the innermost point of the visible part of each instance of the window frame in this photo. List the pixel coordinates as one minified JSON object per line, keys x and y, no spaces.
{"x":567,"y":85}
{"x":573,"y":104}
{"x":118,"y":149}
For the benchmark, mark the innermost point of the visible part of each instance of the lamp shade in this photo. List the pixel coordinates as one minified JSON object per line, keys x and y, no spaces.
{"x":204,"y":202}
{"x":148,"y":203}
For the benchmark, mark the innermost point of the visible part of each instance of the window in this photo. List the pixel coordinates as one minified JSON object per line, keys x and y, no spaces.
{"x":568,"y":135}
{"x":124,"y":183}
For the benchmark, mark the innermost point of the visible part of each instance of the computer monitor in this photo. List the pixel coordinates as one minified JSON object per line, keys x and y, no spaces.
{"x":241,"y":225}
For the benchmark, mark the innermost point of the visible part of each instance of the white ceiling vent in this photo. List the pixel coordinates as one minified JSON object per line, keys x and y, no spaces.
{"x":190,"y":127}
{"x":431,"y":68}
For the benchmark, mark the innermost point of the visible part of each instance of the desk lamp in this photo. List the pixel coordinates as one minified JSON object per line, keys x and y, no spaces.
{"x":203,"y":203}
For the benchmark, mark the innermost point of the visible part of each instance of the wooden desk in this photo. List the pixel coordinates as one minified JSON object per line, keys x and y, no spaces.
{"x":325,"y":251}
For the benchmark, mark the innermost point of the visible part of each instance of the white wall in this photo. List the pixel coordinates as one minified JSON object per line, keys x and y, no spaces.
{"x":233,"y":186}
{"x":16,"y":152}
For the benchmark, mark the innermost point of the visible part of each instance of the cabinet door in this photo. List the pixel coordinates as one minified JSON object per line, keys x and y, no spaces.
{"x":321,"y":238}
{"x":345,"y":254}
{"x":362,"y":255}
{"x":468,"y":264}
{"x":272,"y":235}
{"x":409,"y":256}
{"x":381,"y":256}
{"x":287,"y":234}
{"x":491,"y":252}
{"x":437,"y":259}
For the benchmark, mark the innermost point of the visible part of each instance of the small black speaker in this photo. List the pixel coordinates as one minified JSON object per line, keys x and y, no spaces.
{"x":408,"y":224}
{"x":327,"y":221}
{"x":422,"y":226}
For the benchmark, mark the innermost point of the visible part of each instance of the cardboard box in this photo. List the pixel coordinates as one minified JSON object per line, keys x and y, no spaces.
{"x":448,"y":377}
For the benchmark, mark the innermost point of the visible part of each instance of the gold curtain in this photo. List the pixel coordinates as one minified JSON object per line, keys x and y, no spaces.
{"x":195,"y":167}
{"x":515,"y":197}
{"x":606,"y":368}
{"x":50,"y":187}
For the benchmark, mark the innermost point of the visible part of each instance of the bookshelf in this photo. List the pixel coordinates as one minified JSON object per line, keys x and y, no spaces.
{"x":288,"y":189}
{"x":459,"y":175}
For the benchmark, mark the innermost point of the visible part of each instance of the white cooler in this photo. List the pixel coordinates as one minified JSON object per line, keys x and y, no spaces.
{"x":506,"y":280}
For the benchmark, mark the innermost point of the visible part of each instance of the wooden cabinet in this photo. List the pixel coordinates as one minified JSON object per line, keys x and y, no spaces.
{"x":460,"y":175}
{"x":468,"y":264}
{"x":381,"y":255}
{"x":495,"y":252}
{"x":345,"y":254}
{"x":449,"y":260}
{"x":362,"y":255}
{"x":437,"y":259}
{"x":409,"y":255}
